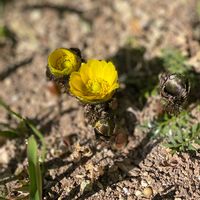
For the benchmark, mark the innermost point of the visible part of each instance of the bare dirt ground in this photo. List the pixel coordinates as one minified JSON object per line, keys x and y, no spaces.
{"x":132,"y":34}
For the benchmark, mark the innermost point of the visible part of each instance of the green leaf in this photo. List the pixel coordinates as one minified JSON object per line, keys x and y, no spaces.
{"x":172,"y":140}
{"x":40,"y":136}
{"x":191,"y":147}
{"x":3,"y":198}
{"x":195,"y":128}
{"x":197,"y":141}
{"x":4,"y":125}
{"x":9,"y":133}
{"x":179,"y":137}
{"x":5,"y":106}
{"x":34,"y":170}
{"x":174,"y":61}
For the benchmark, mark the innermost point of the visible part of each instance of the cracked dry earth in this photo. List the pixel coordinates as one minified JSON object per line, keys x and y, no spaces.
{"x":130,"y":33}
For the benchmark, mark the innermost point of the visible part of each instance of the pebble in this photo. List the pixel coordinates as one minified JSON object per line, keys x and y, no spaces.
{"x":134,"y":172}
{"x":144,"y":183}
{"x":4,"y":156}
{"x":35,"y":15}
{"x":138,"y":193}
{"x":126,"y":191}
{"x":147,"y":192}
{"x":7,"y":82}
{"x":145,"y":173}
{"x":121,"y":197}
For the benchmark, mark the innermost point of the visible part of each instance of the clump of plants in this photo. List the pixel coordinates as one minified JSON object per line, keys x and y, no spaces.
{"x":176,"y":125}
{"x":174,"y":61}
{"x":93,"y":83}
{"x":179,"y":133}
{"x":25,"y":128}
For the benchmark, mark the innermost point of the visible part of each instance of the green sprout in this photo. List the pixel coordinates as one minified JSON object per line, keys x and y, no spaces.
{"x":179,"y":132}
{"x":3,"y":32}
{"x":34,"y":170}
{"x":23,"y":126}
{"x":174,"y":61}
{"x":198,"y":8}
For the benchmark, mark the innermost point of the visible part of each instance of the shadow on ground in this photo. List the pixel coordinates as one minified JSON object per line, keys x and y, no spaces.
{"x":10,"y":69}
{"x":60,"y":9}
{"x":138,"y":75}
{"x":45,"y":122}
{"x":136,"y":155}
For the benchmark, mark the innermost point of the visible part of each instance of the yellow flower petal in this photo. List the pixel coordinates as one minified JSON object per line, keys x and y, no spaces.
{"x":96,"y":69}
{"x":114,"y":87}
{"x":111,"y":75}
{"x":96,"y":81}
{"x":84,"y":73}
{"x":76,"y":82}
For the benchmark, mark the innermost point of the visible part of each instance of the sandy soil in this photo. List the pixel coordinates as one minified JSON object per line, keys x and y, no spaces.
{"x":130,"y":33}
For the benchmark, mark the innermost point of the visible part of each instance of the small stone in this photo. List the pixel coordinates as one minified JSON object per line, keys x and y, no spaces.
{"x":53,"y":88}
{"x":145,"y":174}
{"x":138,"y":193}
{"x":144,"y":183}
{"x":121,"y":197}
{"x":147,"y":192}
{"x":134,"y":172}
{"x":148,"y":163}
{"x":8,"y":82}
{"x":126,"y":191}
{"x":79,"y":176}
{"x":35,"y":15}
{"x":64,"y":182}
{"x":4,"y":156}
{"x":121,"y":139}
{"x":52,"y":151}
{"x":131,"y":197}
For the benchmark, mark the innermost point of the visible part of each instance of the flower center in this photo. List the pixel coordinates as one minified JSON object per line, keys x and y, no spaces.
{"x":99,"y":86}
{"x":63,"y":63}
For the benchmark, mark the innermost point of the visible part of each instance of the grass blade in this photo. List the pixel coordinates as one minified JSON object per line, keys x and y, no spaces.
{"x":5,"y":106}
{"x":9,"y":133}
{"x":34,"y":170}
{"x":40,"y":136}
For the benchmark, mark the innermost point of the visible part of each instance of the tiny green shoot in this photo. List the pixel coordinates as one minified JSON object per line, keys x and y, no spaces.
{"x":34,"y":170}
{"x":25,"y":126}
{"x":179,"y":132}
{"x":174,"y":61}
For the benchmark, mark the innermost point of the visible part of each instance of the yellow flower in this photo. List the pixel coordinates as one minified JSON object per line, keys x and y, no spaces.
{"x":63,"y":62}
{"x":95,"y":81}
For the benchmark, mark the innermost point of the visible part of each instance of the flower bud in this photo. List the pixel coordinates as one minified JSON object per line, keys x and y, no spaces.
{"x":104,"y":127}
{"x":62,"y":62}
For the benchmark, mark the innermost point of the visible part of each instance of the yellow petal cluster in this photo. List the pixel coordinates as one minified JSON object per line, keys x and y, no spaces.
{"x":63,"y":62}
{"x":95,"y":81}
